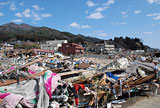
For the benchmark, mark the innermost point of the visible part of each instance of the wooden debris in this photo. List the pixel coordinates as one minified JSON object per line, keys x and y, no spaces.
{"x":27,"y":64}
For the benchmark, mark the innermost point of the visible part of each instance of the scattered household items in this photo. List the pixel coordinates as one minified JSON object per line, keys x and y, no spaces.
{"x":59,"y":81}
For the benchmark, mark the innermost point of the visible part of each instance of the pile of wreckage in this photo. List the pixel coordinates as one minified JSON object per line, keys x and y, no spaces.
{"x":69,"y":82}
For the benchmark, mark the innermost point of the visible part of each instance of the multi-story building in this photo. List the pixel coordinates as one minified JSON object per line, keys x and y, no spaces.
{"x":71,"y":49}
{"x":108,"y":47}
{"x":53,"y":45}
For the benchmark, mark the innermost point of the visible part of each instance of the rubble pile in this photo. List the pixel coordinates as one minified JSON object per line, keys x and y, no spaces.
{"x":40,"y":81}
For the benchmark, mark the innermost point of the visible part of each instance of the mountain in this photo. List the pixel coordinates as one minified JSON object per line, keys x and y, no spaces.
{"x":24,"y":32}
{"x":12,"y":26}
{"x":12,"y":32}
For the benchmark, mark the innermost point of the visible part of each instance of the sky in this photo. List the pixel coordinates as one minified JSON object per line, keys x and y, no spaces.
{"x":104,"y":19}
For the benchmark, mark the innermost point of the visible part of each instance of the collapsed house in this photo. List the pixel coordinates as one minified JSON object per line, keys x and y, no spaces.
{"x":59,"y":81}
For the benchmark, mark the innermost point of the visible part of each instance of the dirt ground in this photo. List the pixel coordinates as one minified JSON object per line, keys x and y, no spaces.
{"x":143,"y":102}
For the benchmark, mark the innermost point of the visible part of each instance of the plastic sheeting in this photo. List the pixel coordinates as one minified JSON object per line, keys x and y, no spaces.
{"x":119,"y":64}
{"x":109,"y":74}
{"x":28,"y":89}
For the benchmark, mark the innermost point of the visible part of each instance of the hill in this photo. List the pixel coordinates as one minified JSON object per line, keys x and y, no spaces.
{"x":128,"y":43}
{"x":24,"y":32}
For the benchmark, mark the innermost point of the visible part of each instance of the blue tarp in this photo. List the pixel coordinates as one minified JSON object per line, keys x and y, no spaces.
{"x":109,"y":74}
{"x":53,"y":61}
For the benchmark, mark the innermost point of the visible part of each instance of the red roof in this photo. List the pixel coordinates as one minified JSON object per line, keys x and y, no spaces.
{"x":41,"y":50}
{"x":80,"y":48}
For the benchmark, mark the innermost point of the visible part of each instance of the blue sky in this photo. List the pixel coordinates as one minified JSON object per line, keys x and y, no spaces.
{"x":103,"y":19}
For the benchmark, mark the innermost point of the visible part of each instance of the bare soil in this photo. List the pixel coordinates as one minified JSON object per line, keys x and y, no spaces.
{"x":143,"y":102}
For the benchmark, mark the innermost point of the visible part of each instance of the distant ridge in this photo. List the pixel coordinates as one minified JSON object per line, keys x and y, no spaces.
{"x":26,"y":32}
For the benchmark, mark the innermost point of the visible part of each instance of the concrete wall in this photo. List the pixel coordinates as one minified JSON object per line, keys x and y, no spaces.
{"x":53,"y":45}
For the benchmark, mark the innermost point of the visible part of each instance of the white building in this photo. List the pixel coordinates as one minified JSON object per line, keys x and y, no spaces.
{"x":139,"y":51}
{"x":7,"y":47}
{"x":53,"y":45}
{"x":108,"y":47}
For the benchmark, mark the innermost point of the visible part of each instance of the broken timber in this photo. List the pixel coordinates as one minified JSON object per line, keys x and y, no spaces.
{"x":27,"y":64}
